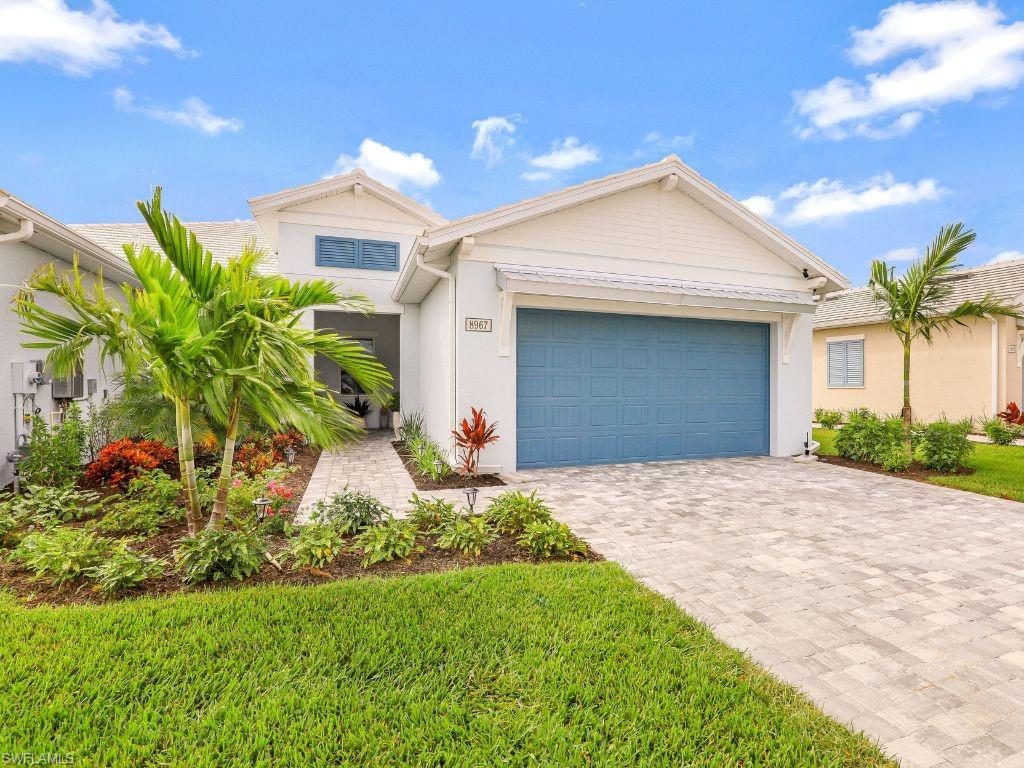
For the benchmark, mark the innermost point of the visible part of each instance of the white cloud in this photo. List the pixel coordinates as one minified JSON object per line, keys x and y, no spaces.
{"x":656,"y":140}
{"x":953,"y":51}
{"x":389,"y":166}
{"x":1007,"y":256}
{"x":910,"y":253}
{"x":565,"y":155}
{"x":824,"y":199}
{"x":493,"y":137}
{"x":77,"y":41}
{"x":760,"y":205}
{"x":193,"y":113}
{"x":535,"y":175}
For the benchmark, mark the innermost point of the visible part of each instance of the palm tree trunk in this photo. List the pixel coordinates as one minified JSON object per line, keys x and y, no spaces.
{"x":220,"y":506}
{"x":187,"y":464}
{"x":907,"y":413}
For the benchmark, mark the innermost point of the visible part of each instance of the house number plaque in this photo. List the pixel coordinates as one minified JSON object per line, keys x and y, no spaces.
{"x":478,"y":324}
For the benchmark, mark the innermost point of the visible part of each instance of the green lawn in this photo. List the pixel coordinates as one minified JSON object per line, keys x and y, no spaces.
{"x":558,"y":665}
{"x":998,"y":469}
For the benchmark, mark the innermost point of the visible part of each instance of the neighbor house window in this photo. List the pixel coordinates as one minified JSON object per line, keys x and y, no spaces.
{"x":846,"y":363}
{"x":350,"y":253}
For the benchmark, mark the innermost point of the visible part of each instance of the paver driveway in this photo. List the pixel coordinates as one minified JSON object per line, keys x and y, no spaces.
{"x":897,"y":606}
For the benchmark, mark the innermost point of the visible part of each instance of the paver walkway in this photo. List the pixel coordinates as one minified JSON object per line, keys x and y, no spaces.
{"x":897,"y":606}
{"x":374,"y":467}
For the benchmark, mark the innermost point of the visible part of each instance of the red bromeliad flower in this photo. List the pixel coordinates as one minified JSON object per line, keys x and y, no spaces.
{"x":473,"y":436}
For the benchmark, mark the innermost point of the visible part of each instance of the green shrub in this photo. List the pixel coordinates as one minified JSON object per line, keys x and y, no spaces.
{"x":512,"y":511}
{"x":431,"y":515}
{"x":124,"y":569}
{"x":468,"y":535}
{"x":129,"y":516}
{"x":412,"y":427}
{"x":828,"y":418}
{"x":393,"y":540}
{"x":430,"y":458}
{"x":551,"y":539}
{"x":866,"y":437}
{"x":60,"y":553}
{"x":157,"y":486}
{"x":215,"y":554}
{"x":55,"y":456}
{"x":895,"y":459}
{"x":13,"y":521}
{"x":1001,"y":433}
{"x":47,"y":505}
{"x":945,"y":447}
{"x":350,"y":511}
{"x":316,"y":545}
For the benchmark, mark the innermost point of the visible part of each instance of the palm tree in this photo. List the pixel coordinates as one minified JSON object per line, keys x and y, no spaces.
{"x":156,"y":331}
{"x":917,"y":304}
{"x":262,"y":353}
{"x":222,"y":337}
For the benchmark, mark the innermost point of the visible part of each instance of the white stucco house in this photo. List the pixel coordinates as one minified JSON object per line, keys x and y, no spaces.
{"x":641,"y":316}
{"x":30,"y":239}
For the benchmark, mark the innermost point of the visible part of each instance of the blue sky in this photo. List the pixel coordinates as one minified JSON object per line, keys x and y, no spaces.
{"x":857,"y":127}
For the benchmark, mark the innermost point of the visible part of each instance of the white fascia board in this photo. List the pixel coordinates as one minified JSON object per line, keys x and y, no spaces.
{"x":326,"y":187}
{"x":73,"y":242}
{"x":689,"y":183}
{"x":567,"y":290}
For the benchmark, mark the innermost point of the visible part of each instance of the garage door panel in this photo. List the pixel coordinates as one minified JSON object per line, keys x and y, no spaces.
{"x":566,"y":386}
{"x":604,"y":386}
{"x":636,"y":388}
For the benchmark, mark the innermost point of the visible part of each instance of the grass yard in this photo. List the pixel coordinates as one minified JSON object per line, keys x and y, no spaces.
{"x":998,"y":469}
{"x":574,"y":664}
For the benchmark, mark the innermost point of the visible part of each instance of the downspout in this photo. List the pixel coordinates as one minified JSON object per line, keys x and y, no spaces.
{"x":995,"y":365}
{"x":445,"y":275}
{"x":25,"y":231}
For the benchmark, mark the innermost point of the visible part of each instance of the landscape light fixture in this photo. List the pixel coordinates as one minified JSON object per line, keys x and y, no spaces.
{"x":471,"y":498}
{"x":289,"y":455}
{"x":262,"y":506}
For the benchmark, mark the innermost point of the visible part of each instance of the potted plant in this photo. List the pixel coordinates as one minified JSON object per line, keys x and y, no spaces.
{"x":360,"y":408}
{"x":389,"y":411}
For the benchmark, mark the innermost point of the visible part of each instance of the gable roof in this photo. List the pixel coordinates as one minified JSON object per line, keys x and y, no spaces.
{"x":440,"y":240}
{"x":223,"y":239}
{"x":858,"y":307}
{"x":64,"y":242}
{"x":336,"y":184}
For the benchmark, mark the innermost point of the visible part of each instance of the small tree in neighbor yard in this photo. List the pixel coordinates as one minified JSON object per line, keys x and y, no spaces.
{"x":917,"y":304}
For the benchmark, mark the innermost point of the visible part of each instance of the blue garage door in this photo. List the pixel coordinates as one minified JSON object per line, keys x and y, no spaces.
{"x":603,"y":389}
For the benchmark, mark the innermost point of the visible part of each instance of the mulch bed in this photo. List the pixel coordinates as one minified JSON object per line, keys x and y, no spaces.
{"x":915,"y":471}
{"x":31,"y":592}
{"x":454,"y":480}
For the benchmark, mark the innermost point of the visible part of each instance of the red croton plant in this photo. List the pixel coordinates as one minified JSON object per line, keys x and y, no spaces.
{"x":1012,"y":415}
{"x":472,"y":436}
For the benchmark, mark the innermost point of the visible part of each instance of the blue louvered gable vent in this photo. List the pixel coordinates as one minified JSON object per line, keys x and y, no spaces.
{"x":351,"y":253}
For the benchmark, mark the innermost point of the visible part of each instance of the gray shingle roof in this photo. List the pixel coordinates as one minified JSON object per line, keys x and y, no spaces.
{"x":856,"y":306}
{"x":223,"y":239}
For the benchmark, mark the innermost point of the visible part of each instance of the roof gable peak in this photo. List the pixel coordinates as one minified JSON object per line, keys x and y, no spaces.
{"x":357,"y":180}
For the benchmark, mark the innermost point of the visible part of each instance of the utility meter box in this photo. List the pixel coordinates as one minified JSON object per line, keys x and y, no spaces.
{"x":26,"y":376}
{"x":70,"y":388}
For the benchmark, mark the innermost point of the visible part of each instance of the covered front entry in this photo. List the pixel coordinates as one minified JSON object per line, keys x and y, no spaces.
{"x":596,"y":388}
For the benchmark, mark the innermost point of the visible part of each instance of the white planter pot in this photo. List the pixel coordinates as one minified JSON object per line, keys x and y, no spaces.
{"x":372,"y":420}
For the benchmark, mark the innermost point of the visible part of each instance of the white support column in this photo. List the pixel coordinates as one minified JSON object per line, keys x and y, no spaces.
{"x":506,"y":307}
{"x":787,"y":326}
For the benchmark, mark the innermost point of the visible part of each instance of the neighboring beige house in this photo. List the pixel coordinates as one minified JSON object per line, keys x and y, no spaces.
{"x":972,"y":372}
